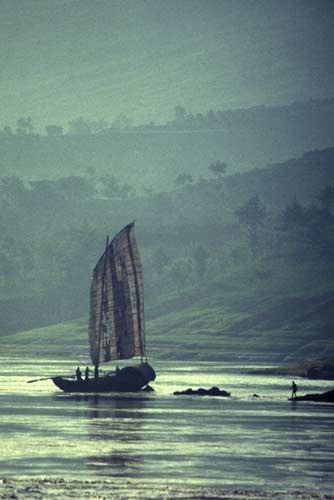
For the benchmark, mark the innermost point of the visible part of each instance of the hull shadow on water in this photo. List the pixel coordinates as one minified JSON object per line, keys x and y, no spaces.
{"x":112,"y":420}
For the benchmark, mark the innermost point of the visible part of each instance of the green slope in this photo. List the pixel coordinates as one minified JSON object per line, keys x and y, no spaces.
{"x":283,"y":319}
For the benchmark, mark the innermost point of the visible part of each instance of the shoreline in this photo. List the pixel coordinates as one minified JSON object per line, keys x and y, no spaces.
{"x":311,"y":370}
{"x":62,"y":489}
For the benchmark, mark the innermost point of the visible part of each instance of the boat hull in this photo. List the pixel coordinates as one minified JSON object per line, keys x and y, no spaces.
{"x":127,"y":379}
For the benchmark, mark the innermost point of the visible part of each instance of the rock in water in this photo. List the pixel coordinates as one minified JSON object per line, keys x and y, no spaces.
{"x":214,"y":391}
{"x":327,"y":397}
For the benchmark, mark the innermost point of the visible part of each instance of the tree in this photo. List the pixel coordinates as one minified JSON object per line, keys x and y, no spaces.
{"x":44,"y":193}
{"x":74,"y":187}
{"x":79,"y":126}
{"x":7,"y":131}
{"x":111,"y":187}
{"x":320,"y":229}
{"x":84,"y":126}
{"x":200,"y":257}
{"x":183,"y":179}
{"x":8,"y":267}
{"x":179,"y":273}
{"x":218,"y":168}
{"x":160,"y":259}
{"x":293,"y":216}
{"x":294,"y":219}
{"x":180,"y":115}
{"x":326,"y":197}
{"x":12,"y":189}
{"x":251,"y":215}
{"x":121,"y":122}
{"x":54,"y":130}
{"x":24,"y":126}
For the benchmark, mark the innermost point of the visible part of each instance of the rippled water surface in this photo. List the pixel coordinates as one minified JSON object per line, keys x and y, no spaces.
{"x":156,"y":437}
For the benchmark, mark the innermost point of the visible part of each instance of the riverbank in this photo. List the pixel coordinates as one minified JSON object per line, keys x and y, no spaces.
{"x":322,"y":369}
{"x":325,"y":397}
{"x":60,"y":489}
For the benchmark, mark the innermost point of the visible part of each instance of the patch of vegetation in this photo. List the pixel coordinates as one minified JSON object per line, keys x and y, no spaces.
{"x":212,"y":324}
{"x":224,"y":277}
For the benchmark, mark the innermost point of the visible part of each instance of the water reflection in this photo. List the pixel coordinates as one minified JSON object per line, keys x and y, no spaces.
{"x":151,"y":437}
{"x":293,"y":405}
{"x":102,"y":406}
{"x":114,"y":425}
{"x":125,"y":465}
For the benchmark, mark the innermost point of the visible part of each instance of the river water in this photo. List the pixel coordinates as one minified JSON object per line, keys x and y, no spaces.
{"x":266,"y":442}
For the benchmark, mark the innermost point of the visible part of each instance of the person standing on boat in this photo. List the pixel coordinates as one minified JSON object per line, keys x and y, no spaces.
{"x":96,"y":372}
{"x":294,"y":389}
{"x":87,"y":373}
{"x":78,"y":374}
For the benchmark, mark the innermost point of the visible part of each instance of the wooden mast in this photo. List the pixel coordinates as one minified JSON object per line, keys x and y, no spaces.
{"x":102,"y":298}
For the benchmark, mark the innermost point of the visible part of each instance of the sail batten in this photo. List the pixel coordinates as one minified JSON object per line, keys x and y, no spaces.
{"x":116,"y":323}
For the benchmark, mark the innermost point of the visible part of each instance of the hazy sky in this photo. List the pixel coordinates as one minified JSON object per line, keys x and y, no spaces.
{"x":60,"y":59}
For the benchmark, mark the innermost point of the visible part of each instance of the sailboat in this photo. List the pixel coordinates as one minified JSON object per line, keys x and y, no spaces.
{"x":116,"y":320}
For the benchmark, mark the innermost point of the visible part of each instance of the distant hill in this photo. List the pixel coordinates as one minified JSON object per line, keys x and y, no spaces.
{"x":198,"y":207}
{"x":242,"y":304}
{"x":153,"y":156}
{"x":193,"y":210}
{"x":279,"y":183}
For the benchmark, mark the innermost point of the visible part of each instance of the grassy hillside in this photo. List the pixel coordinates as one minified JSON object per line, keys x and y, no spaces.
{"x":287,"y":317}
{"x":50,"y":241}
{"x":217,"y":285}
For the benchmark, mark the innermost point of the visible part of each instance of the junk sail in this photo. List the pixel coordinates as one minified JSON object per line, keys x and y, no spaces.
{"x":116,"y":322}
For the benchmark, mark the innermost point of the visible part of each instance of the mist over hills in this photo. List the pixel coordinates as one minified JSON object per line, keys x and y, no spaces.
{"x":153,"y":156}
{"x":62,"y":59}
{"x":204,"y":279}
{"x":211,"y":124}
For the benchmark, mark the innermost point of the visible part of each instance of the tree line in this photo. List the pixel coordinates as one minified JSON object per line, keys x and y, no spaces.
{"x":52,"y":232}
{"x":182,"y":119}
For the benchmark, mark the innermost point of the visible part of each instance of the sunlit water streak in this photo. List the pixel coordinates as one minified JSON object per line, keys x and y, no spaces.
{"x":156,"y":437}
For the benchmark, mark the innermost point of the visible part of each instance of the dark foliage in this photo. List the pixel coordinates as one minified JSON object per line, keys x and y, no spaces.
{"x":217,"y":233}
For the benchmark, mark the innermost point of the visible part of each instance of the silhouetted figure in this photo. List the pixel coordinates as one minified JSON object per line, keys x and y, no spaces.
{"x":78,"y":374}
{"x":96,"y":371}
{"x":87,"y":373}
{"x":117,"y":370}
{"x":294,"y":390}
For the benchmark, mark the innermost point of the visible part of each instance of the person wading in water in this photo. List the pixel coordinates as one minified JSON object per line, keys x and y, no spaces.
{"x":294,"y":389}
